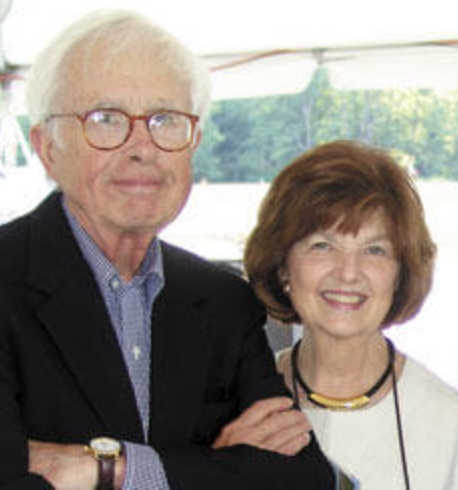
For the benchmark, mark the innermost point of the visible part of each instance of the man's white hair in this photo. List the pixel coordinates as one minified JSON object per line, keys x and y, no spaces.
{"x":46,"y":81}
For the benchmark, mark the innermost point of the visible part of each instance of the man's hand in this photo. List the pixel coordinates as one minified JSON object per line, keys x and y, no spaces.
{"x":67,"y":466}
{"x":269,"y":424}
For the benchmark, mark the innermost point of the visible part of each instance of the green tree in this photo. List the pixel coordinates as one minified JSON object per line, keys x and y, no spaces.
{"x":252,"y":139}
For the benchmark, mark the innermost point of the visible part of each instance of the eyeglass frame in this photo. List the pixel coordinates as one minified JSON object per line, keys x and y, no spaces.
{"x":83,"y":117}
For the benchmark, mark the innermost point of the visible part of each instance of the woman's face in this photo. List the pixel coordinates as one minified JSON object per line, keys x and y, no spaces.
{"x":342,"y":285}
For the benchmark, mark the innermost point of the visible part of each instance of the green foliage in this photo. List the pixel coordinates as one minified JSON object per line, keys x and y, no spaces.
{"x":252,"y":139}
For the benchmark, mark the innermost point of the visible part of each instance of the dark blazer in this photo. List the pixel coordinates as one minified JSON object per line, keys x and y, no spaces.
{"x":63,"y":379}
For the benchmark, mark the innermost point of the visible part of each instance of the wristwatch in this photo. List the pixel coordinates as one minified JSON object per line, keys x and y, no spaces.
{"x":106,"y":451}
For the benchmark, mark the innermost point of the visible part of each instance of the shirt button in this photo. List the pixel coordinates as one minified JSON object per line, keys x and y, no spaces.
{"x":115,"y":283}
{"x":137,"y":352}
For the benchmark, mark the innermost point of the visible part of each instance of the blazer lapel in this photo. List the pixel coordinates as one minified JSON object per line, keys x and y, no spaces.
{"x":178,"y":355}
{"x":72,"y":310}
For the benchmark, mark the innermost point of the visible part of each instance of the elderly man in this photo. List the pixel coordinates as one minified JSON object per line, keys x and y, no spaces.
{"x":126,"y":362}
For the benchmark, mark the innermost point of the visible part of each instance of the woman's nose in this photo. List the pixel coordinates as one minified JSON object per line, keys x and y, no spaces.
{"x":349,"y":266}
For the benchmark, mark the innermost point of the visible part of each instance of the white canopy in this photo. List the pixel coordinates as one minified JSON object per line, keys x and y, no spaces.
{"x":259,"y":47}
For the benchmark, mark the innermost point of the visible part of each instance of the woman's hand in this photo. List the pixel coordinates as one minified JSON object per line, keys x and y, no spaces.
{"x":270,"y":424}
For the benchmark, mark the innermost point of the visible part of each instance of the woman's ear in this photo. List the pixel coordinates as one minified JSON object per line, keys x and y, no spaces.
{"x":283,"y":277}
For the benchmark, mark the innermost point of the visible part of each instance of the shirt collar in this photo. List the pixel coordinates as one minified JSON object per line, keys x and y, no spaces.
{"x":150,"y":274}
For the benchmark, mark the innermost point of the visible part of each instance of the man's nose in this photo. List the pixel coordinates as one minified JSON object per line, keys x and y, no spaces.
{"x":140,"y":143}
{"x":140,"y":132}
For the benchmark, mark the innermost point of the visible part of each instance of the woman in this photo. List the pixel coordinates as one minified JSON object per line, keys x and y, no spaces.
{"x":342,"y":247}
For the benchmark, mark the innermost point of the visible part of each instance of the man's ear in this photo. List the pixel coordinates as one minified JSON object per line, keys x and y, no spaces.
{"x":44,"y":146}
{"x":197,"y":139}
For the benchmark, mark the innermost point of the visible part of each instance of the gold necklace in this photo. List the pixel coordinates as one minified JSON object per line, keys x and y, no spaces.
{"x":340,"y":403}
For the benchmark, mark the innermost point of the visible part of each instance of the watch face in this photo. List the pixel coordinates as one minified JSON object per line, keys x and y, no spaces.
{"x":105,"y":446}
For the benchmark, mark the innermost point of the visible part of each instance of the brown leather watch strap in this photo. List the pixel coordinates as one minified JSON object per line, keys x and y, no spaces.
{"x":106,"y":465}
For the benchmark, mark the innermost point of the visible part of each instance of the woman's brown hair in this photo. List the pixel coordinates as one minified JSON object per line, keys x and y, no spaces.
{"x":342,"y":182}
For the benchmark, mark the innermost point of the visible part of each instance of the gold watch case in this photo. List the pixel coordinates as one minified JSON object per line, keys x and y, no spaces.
{"x":105,"y":447}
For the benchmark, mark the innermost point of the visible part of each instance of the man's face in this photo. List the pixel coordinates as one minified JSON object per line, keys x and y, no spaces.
{"x":136,"y":188}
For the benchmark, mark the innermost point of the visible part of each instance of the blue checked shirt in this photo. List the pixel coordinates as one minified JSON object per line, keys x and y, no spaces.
{"x":129,"y":306}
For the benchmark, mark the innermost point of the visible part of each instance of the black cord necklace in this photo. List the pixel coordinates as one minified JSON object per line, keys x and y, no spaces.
{"x":326,"y":402}
{"x":402,"y":447}
{"x":341,"y":403}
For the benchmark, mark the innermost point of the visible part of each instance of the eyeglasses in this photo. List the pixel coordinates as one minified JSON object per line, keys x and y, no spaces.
{"x":108,"y":129}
